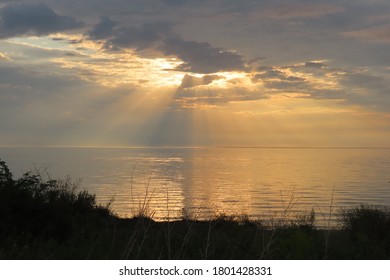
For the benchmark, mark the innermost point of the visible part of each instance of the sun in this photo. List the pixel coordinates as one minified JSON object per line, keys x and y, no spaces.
{"x":165,"y":70}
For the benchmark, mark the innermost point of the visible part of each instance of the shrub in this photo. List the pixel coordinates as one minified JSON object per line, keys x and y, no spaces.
{"x":35,"y":207}
{"x":5,"y":174}
{"x":369,"y":221}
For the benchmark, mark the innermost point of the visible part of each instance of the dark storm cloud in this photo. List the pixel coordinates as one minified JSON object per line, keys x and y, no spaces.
{"x":158,"y":37}
{"x":21,"y":19}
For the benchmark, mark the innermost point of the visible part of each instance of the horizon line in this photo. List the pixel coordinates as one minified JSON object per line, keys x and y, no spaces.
{"x":198,"y":147}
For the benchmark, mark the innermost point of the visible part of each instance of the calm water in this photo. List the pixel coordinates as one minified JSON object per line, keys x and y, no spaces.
{"x":258,"y":182}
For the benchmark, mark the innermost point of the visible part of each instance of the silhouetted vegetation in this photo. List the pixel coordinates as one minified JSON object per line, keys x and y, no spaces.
{"x":53,"y":220}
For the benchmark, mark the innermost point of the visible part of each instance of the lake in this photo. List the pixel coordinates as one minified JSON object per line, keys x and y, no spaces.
{"x":203,"y":182}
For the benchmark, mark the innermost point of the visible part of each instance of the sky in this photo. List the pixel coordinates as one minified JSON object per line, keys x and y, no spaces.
{"x":195,"y":73}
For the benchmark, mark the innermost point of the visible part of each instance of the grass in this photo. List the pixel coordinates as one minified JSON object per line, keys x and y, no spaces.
{"x":54,"y":220}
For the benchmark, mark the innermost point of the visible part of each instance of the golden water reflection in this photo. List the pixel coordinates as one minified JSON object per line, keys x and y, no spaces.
{"x":258,"y":183}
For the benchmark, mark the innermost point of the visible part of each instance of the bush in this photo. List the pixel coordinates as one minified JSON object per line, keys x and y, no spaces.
{"x":35,"y":207}
{"x":5,"y":174}
{"x":369,"y":221}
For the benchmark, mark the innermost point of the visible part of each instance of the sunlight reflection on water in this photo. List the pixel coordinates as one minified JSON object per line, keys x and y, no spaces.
{"x":201,"y":183}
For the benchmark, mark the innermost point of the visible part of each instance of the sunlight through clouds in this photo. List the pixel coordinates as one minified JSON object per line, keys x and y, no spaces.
{"x":249,"y":73}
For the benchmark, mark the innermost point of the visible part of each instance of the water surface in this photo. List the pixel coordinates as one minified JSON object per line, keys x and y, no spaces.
{"x":203,"y":182}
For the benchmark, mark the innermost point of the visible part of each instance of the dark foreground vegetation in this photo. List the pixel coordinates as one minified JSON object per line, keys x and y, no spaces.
{"x":51,"y":220}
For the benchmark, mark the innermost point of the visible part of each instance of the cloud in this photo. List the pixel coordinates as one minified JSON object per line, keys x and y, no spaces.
{"x":278,"y":78}
{"x":268,"y":74}
{"x":315,"y":64}
{"x":191,"y":81}
{"x":158,"y":37}
{"x":276,"y":11}
{"x":206,"y":98}
{"x":363,"y":80}
{"x":377,"y":33}
{"x":123,"y":63}
{"x":202,"y":93}
{"x":22,"y":19}
{"x":201,"y":57}
{"x":45,"y":105}
{"x":25,"y":53}
{"x":145,"y":37}
{"x":3,"y":57}
{"x":68,"y":40}
{"x":309,"y":80}
{"x":217,"y":90}
{"x":179,"y":2}
{"x":367,"y":89}
{"x":312,"y":79}
{"x":306,"y":10}
{"x":36,"y":81}
{"x":103,"y":30}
